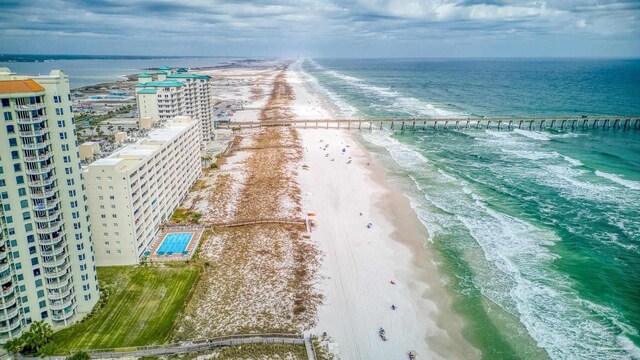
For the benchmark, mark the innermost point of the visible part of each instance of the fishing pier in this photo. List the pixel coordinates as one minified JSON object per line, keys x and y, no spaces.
{"x":412,"y":124}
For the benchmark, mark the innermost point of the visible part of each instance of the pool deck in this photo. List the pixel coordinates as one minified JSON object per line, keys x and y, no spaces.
{"x":191,"y":247}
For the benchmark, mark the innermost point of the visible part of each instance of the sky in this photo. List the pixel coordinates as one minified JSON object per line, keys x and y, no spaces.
{"x":323,"y":28}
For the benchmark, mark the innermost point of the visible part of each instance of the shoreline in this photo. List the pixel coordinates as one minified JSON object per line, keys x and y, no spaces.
{"x":423,"y":320}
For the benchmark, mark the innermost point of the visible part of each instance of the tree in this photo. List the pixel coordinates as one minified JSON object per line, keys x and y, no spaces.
{"x":38,"y":336}
{"x":14,"y":346}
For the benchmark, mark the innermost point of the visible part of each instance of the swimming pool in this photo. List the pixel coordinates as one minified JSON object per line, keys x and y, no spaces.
{"x":174,"y":243}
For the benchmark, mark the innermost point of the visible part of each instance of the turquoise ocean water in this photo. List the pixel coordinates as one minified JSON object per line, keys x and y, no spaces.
{"x":537,"y":232}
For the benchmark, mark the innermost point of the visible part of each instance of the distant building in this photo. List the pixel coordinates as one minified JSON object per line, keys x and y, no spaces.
{"x":47,"y":267}
{"x":132,"y":191}
{"x":175,"y":94}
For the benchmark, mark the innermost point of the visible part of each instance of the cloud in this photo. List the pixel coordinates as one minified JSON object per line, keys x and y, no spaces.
{"x":205,"y":27}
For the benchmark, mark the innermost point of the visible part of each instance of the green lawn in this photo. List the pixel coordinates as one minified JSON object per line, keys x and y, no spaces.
{"x":142,"y":307}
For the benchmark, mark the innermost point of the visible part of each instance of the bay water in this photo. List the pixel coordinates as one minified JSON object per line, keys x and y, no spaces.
{"x":537,"y":232}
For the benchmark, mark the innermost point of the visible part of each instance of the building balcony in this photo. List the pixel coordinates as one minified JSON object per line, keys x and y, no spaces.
{"x":9,"y":302}
{"x":31,"y":133}
{"x":9,"y":314}
{"x":10,"y":327}
{"x":61,"y":293}
{"x":43,"y":194}
{"x":64,"y":315}
{"x":61,"y":305}
{"x":58,"y":273}
{"x":56,"y":251}
{"x":30,"y":107}
{"x":5,"y":278}
{"x":37,"y":158}
{"x":31,"y":120}
{"x":48,"y":217}
{"x":61,"y":282}
{"x":53,"y":262}
{"x":40,"y":170}
{"x":45,"y":205}
{"x":53,"y":240}
{"x":9,"y":289}
{"x":45,"y":182}
{"x":4,"y":266}
{"x":37,"y":146}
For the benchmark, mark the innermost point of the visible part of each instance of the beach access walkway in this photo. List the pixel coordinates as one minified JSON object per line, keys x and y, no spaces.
{"x":199,"y":346}
{"x":499,"y":123}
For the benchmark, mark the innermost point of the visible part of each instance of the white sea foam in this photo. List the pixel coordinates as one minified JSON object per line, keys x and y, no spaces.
{"x":572,"y":161}
{"x":515,"y":270}
{"x":630,"y":184}
{"x":397,"y":101}
{"x":344,"y":109}
{"x":531,"y":155}
{"x":532,"y":134}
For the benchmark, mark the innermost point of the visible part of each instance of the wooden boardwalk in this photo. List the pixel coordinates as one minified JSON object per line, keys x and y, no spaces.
{"x":499,"y":123}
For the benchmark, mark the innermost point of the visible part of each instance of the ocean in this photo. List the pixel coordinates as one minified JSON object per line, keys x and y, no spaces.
{"x":536,"y":232}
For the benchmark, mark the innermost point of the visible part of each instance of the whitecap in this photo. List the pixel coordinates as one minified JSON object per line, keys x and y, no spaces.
{"x":532,"y":134}
{"x":630,"y":184}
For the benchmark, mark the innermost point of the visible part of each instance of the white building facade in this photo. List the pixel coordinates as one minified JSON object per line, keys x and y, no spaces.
{"x":134,"y":190}
{"x":47,"y":264}
{"x":174,"y":94}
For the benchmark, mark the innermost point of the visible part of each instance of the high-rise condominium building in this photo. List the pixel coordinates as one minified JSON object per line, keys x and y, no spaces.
{"x":132,"y":191}
{"x":173,"y":94}
{"x":47,"y":269}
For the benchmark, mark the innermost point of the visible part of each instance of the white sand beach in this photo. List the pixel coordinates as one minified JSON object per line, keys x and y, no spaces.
{"x":346,"y":190}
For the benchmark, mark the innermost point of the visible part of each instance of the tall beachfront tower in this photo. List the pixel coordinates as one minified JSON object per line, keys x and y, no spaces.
{"x":47,"y":265}
{"x":174,"y":94}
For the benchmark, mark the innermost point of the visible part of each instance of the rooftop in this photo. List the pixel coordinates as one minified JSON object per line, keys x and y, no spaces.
{"x":147,"y":91}
{"x":130,"y":156}
{"x":144,"y":75}
{"x":19,"y":86}
{"x":165,"y":83}
{"x":186,"y":76}
{"x":165,"y":68}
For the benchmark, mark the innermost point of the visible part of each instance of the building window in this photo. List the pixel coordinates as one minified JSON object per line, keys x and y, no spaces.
{"x":32,"y":250}
{"x":11,"y":129}
{"x":15,"y":155}
{"x":5,"y":102}
{"x":108,"y":252}
{"x":36,"y":272}
{"x":34,"y":261}
{"x":61,"y":123}
{"x":20,"y":179}
{"x":23,"y":203}
{"x":13,"y":142}
{"x":22,"y":192}
{"x":63,"y":136}
{"x":26,"y":215}
{"x":8,"y":116}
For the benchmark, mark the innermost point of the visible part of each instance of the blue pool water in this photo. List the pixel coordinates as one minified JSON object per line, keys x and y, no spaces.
{"x":174,"y":243}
